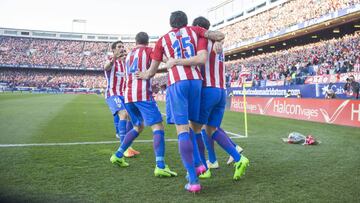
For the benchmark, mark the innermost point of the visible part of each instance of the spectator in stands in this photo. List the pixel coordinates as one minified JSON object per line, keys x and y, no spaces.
{"x":329,"y":92}
{"x":282,"y":65}
{"x":280,"y":17}
{"x":352,"y":86}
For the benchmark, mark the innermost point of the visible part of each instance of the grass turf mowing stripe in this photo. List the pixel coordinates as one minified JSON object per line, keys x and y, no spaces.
{"x":22,"y":116}
{"x":279,"y":172}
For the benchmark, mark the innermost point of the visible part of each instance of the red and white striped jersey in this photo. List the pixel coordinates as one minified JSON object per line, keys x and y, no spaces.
{"x":115,"y":78}
{"x":138,"y":59}
{"x":214,"y":72}
{"x":245,"y":72}
{"x":181,"y":43}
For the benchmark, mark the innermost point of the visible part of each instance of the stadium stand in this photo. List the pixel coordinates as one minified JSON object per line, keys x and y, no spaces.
{"x":291,"y":65}
{"x":295,"y":64}
{"x":50,"y":53}
{"x":15,"y":77}
{"x":287,"y":14}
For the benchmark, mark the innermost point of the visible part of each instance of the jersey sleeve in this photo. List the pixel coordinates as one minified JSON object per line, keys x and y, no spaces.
{"x":199,"y":31}
{"x":202,"y":44}
{"x":149,"y":52}
{"x":158,"y":51}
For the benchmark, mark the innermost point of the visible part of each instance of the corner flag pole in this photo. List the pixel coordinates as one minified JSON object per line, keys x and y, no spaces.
{"x":245,"y":114}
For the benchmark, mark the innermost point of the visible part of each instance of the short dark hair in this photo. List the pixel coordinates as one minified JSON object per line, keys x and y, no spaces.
{"x":202,"y":22}
{"x":113,"y":45}
{"x":142,"y":38}
{"x":178,"y":19}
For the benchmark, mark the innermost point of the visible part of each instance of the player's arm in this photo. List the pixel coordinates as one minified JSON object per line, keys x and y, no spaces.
{"x":209,"y":34}
{"x":150,"y":72}
{"x":157,"y":56}
{"x":218,"y":46}
{"x":164,"y":69}
{"x":109,"y":64}
{"x":214,"y":35}
{"x":199,"y":59}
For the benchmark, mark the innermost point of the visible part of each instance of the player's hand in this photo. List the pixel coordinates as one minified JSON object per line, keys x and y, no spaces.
{"x":142,"y":75}
{"x":218,"y":47}
{"x":170,"y":63}
{"x":165,"y":59}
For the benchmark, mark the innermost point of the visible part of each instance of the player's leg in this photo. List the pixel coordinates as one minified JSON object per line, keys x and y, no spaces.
{"x":130,"y":152}
{"x":124,"y":127}
{"x":216,"y":116}
{"x":130,"y":136}
{"x":199,"y":149}
{"x":194,"y":108}
{"x":116,"y":123}
{"x":122,"y":114}
{"x":209,"y":144}
{"x":114,"y":104}
{"x":179,"y":103}
{"x":152,"y":117}
{"x":209,"y":99}
{"x":129,"y":125}
{"x":238,"y":148}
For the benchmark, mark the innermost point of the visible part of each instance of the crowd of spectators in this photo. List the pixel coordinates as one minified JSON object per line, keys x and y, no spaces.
{"x":52,"y":78}
{"x":47,"y":78}
{"x":293,"y":65}
{"x":34,"y":52}
{"x":289,"y":13}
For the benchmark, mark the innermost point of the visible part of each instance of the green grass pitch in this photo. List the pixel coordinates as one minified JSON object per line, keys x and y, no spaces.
{"x":278,"y":172}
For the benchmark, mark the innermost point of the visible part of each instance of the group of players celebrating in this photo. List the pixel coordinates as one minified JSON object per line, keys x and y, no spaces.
{"x":195,"y":98}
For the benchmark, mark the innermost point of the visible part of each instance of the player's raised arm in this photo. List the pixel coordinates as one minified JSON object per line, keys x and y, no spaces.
{"x":109,"y":63}
{"x":209,"y":34}
{"x":214,"y":35}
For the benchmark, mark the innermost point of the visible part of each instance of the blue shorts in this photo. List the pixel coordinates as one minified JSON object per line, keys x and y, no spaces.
{"x":141,"y":111}
{"x":169,"y":116}
{"x":183,"y":101}
{"x":115,"y":103}
{"x":213,"y":101}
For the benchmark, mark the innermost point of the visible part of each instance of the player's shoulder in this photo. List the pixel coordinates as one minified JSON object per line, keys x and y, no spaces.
{"x":144,"y":48}
{"x":197,"y":29}
{"x":148,"y":49}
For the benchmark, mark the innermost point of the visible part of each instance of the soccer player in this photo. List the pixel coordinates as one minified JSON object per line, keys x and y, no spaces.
{"x":184,"y":83}
{"x":213,"y":100}
{"x":115,"y":77}
{"x":142,"y":107}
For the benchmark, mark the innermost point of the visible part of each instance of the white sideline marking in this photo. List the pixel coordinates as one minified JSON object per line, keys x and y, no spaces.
{"x":80,"y":143}
{"x":235,"y":136}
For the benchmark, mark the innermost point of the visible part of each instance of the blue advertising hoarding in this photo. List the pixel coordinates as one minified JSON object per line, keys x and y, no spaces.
{"x":306,"y":91}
